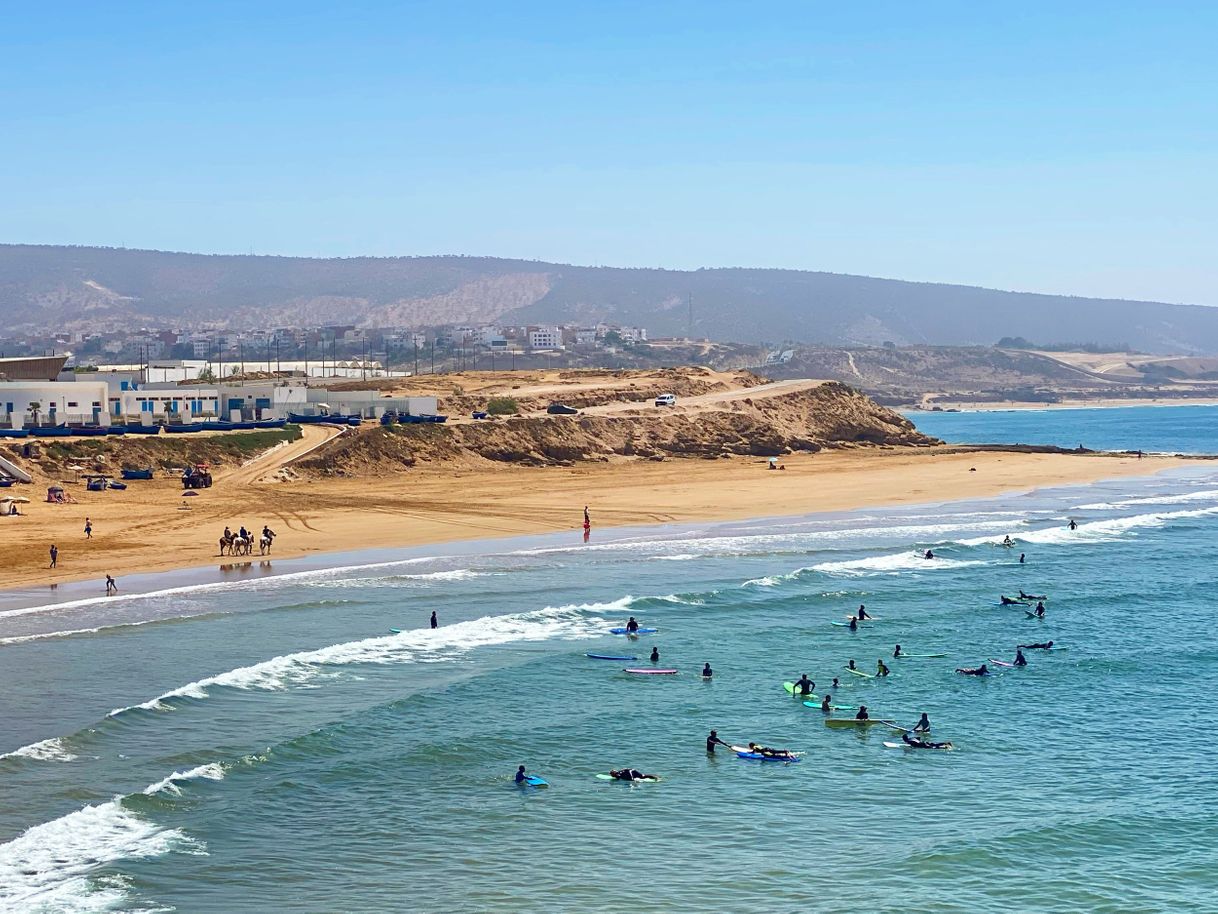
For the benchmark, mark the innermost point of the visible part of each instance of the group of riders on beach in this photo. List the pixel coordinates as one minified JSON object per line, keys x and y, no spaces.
{"x":242,"y":542}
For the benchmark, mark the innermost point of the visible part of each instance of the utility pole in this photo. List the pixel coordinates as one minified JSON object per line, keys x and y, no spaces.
{"x":689,"y":327}
{"x":416,"y":355}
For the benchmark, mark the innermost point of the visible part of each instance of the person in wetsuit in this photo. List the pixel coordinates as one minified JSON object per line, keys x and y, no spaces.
{"x":521,"y":777}
{"x":896,"y":652}
{"x":713,"y":740}
{"x":1040,"y":610}
{"x":982,"y":670}
{"x":1073,"y":525}
{"x":631,"y":774}
{"x":1007,"y":601}
{"x":850,"y":665}
{"x":880,"y":669}
{"x":928,"y":555}
{"x":804,"y":686}
{"x":707,"y":672}
{"x":1039,"y":646}
{"x":632,"y":626}
{"x":836,"y":685}
{"x":655,"y":655}
{"x":1020,"y":659}
{"x":914,"y":743}
{"x":923,"y":724}
{"x":862,"y":613}
{"x":862,"y":713}
{"x":854,"y":624}
{"x":435,"y":623}
{"x":825,"y":703}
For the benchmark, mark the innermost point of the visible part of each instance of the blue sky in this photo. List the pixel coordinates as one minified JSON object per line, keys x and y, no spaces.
{"x":1050,"y":147}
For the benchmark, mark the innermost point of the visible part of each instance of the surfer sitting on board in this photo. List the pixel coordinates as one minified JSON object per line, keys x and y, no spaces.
{"x":707,"y":672}
{"x":1020,"y":659}
{"x":804,"y":686}
{"x":632,"y":626}
{"x":1040,"y":646}
{"x":862,"y":714}
{"x":1040,"y":610}
{"x":1007,"y":541}
{"x":982,"y":670}
{"x":928,"y":555}
{"x":880,"y":669}
{"x":896,"y":652}
{"x":713,"y":740}
{"x":914,"y":743}
{"x":1007,"y":601}
{"x":824,"y":703}
{"x":854,"y":624}
{"x":850,"y":665}
{"x":631,"y":774}
{"x":862,"y":614}
{"x":923,"y":724}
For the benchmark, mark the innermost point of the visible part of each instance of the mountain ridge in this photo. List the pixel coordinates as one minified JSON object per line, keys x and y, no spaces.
{"x":69,"y":287}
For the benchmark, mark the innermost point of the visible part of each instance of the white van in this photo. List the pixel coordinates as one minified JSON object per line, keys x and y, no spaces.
{"x":666,"y":400}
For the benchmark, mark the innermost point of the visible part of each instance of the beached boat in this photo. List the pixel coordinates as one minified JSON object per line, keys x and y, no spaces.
{"x":51,"y":431}
{"x":182,"y":429}
{"x":132,"y":473}
{"x":143,"y":429}
{"x":270,"y":423}
{"x":117,"y":430}
{"x":14,"y":432}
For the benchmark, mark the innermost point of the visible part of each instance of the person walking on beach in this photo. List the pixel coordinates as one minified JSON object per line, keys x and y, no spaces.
{"x":88,"y":529}
{"x":434,"y":622}
{"x":111,"y":587}
{"x":54,"y":555}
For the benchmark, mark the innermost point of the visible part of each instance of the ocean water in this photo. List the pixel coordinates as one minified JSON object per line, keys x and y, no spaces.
{"x":266,"y":744}
{"x":1155,"y":429}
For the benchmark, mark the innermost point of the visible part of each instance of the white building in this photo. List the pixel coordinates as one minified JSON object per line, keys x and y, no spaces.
{"x":53,"y":403}
{"x":545,"y":338}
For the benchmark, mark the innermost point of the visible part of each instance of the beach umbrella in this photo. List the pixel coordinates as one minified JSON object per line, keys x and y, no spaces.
{"x":20,"y":499}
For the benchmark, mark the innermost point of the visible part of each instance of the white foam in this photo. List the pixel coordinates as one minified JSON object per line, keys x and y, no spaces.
{"x":47,"y":867}
{"x":303,"y":668}
{"x":1181,"y":499}
{"x":172,"y":784}
{"x":893,"y":564}
{"x":47,"y":750}
{"x":1096,"y":531}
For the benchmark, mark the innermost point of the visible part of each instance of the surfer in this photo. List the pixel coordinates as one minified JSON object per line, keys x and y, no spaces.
{"x":854,"y":624}
{"x":825,"y":705}
{"x":631,"y":774}
{"x":707,"y":672}
{"x":1007,"y":601}
{"x":929,"y":555}
{"x":1040,"y":646}
{"x":804,"y":686}
{"x":771,"y":753}
{"x":655,"y":655}
{"x":862,"y":713}
{"x":521,"y":777}
{"x":434,"y":622}
{"x":914,"y":743}
{"x":982,"y":670}
{"x":850,"y":664}
{"x":1021,"y":558}
{"x":1031,"y":596}
{"x":632,"y":626}
{"x":1040,"y":610}
{"x":862,"y":614}
{"x":1007,"y":541}
{"x":1020,"y":659}
{"x":880,"y":669}
{"x":836,"y":685}
{"x":896,"y":651}
{"x":1073,"y":525}
{"x":713,"y":740}
{"x":923,"y":724}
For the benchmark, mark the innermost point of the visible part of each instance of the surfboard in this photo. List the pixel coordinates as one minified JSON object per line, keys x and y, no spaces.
{"x":790,"y":688}
{"x":606,"y":777}
{"x":1001,"y":663}
{"x":860,"y":673}
{"x":816,"y":704}
{"x":857,"y":619}
{"x":1032,"y":615}
{"x":649,"y":672}
{"x":621,"y":630}
{"x":917,"y":656}
{"x":841,"y":624}
{"x":892,"y":745}
{"x":608,"y":657}
{"x":395,"y":631}
{"x":846,"y":722}
{"x":532,"y":780}
{"x":758,"y":757}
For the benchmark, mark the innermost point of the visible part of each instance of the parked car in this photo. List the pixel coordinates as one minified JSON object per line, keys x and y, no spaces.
{"x":561,"y":409}
{"x":666,"y":400}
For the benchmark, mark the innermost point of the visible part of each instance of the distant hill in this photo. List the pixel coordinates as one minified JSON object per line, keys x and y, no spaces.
{"x":52,"y":287}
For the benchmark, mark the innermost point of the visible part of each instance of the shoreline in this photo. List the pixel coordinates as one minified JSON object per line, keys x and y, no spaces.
{"x":1005,"y":406}
{"x":319,"y":520}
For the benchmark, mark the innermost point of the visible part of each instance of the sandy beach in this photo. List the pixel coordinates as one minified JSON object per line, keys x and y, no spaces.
{"x":146,"y":528}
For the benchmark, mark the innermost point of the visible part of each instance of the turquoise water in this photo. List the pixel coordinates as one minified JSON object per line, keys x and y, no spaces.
{"x":265,"y":744}
{"x":1170,"y":429}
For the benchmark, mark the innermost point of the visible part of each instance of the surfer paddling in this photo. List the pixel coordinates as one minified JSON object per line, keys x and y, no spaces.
{"x":1039,"y":646}
{"x":982,"y":670}
{"x":1008,"y":601}
{"x":914,"y":743}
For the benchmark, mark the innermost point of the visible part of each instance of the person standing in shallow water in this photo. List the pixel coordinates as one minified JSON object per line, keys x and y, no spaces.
{"x":434,"y":622}
{"x":111,"y":586}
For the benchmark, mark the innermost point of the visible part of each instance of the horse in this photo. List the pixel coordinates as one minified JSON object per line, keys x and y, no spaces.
{"x":264,"y":545}
{"x":226,"y":542}
{"x":240,"y":546}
